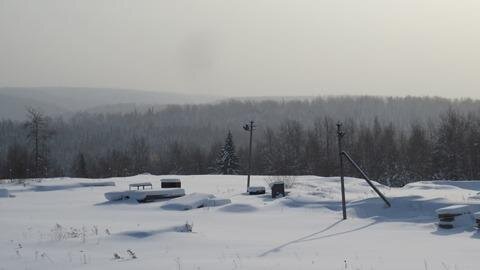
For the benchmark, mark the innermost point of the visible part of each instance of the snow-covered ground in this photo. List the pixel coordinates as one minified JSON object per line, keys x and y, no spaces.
{"x":67,"y":224}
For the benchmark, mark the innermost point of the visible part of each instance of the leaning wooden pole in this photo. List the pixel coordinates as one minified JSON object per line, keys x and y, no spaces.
{"x":380,"y":194}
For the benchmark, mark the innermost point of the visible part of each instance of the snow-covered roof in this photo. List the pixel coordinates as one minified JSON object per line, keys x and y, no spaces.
{"x":140,"y":195}
{"x":255,"y":189}
{"x":190,"y":201}
{"x":454,"y":210}
{"x":170,"y":180}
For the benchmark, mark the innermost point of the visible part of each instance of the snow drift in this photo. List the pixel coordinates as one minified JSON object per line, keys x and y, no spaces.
{"x":4,"y":193}
{"x":194,"y":200}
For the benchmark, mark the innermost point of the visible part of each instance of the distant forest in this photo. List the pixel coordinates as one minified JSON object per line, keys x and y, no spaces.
{"x":396,"y":140}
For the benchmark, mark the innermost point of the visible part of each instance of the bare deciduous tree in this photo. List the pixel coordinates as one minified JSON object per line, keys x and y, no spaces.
{"x":39,"y":134}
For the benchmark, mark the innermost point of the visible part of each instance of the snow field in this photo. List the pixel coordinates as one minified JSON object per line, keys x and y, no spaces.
{"x":76,"y":227}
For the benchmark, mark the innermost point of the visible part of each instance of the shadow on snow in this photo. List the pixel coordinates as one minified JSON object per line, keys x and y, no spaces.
{"x":409,"y":209}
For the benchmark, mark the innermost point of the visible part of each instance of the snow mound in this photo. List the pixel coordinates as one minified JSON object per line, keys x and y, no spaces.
{"x":238,"y":208}
{"x":4,"y":193}
{"x":142,"y":195}
{"x":213,"y":202}
{"x":55,"y":187}
{"x":304,"y":199}
{"x":48,"y":187}
{"x":307,"y":201}
{"x":445,"y":185}
{"x":188,"y":202}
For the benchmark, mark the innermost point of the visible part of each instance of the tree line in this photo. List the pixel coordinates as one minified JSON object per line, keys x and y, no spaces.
{"x":194,"y":140}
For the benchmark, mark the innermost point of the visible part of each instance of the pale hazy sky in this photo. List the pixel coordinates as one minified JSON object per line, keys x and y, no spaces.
{"x":245,"y":47}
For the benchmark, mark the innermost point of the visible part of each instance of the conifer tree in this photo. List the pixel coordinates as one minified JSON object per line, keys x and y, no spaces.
{"x":80,"y":166}
{"x":17,"y":161}
{"x":227,"y":160}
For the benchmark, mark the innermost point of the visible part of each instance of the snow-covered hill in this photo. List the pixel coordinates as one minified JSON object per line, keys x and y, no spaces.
{"x":64,"y":101}
{"x":65,"y":224}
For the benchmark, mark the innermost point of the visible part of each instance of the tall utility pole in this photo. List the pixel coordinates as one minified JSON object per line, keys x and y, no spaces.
{"x":249,"y":127}
{"x":340,"y":134}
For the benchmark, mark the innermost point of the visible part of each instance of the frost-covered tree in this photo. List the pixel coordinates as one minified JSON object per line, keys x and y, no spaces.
{"x":291,"y":141}
{"x":269,"y":152}
{"x":450,"y":146}
{"x":396,"y":139}
{"x":418,"y":158}
{"x":314,"y":153}
{"x":389,"y":156}
{"x":114,"y":164}
{"x":284,"y":151}
{"x":139,"y":153}
{"x":174,"y":158}
{"x":473,"y":147}
{"x":227,"y":160}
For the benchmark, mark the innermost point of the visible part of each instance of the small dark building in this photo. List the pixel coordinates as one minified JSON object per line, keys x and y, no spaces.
{"x":278,"y":189}
{"x":171,"y":183}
